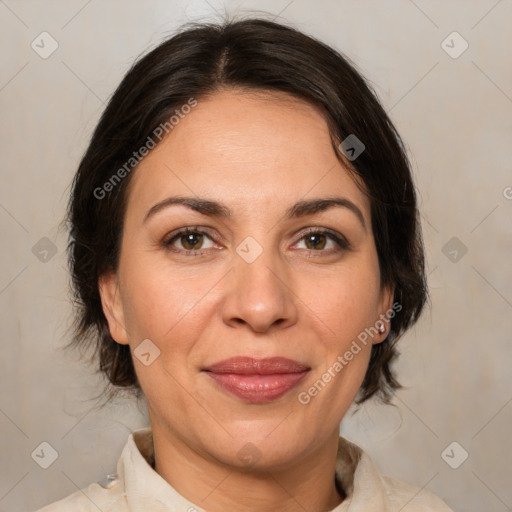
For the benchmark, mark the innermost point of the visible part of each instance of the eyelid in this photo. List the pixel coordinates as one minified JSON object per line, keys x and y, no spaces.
{"x":177,"y":233}
{"x":205,"y":230}
{"x":338,"y":238}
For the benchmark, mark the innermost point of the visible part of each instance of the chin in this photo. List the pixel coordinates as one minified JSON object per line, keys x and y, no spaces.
{"x":260,"y":453}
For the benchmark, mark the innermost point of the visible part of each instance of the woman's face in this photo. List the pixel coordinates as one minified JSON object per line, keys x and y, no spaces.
{"x":260,"y":275}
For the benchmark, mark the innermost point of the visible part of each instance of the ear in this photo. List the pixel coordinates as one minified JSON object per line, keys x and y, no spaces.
{"x":112,"y":307}
{"x":387,"y":312}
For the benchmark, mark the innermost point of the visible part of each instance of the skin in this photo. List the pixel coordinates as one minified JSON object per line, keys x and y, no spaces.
{"x":258,"y":153}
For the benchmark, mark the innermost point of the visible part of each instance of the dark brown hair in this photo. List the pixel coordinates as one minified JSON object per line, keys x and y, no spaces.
{"x":250,"y":54}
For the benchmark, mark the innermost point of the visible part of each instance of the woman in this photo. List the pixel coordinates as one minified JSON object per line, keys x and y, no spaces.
{"x":246,"y":251}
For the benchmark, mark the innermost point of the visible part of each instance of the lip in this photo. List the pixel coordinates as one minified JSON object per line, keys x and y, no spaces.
{"x":257,"y":380}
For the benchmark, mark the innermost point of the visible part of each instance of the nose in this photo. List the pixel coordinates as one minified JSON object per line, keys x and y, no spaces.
{"x":259,"y":295}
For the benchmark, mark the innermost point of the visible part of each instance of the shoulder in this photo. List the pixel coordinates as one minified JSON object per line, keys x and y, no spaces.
{"x":368,"y":489}
{"x":91,"y":499}
{"x":76,"y":501}
{"x":408,"y":498}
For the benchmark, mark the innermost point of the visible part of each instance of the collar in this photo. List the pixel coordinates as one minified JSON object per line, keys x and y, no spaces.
{"x":355,"y":473}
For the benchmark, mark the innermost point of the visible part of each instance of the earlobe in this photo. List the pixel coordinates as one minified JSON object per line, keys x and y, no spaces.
{"x":112,"y":307}
{"x":383,"y":324}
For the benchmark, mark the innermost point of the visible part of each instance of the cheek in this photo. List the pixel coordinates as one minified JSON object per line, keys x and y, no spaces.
{"x":348,"y":302}
{"x":157,"y":301}
{"x":167,"y":310}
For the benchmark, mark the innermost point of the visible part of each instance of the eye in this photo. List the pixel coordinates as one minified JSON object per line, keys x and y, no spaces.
{"x":191,"y":240}
{"x":324,"y":240}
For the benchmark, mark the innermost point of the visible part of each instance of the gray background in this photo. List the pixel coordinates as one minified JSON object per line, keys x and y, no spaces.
{"x":455,"y":117}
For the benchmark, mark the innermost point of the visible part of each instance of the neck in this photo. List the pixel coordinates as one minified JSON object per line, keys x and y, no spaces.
{"x":214,"y":486}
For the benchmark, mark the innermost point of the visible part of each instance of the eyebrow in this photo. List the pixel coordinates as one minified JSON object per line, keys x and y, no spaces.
{"x":215,"y":209}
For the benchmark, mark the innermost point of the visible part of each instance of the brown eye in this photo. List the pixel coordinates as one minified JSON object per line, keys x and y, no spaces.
{"x":324,"y":241}
{"x":189,"y":240}
{"x":315,"y":241}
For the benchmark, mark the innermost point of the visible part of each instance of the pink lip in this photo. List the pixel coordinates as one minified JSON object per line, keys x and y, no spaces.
{"x":257,"y":380}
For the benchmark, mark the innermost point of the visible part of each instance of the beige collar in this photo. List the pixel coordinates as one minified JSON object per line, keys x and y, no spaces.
{"x":135,"y":469}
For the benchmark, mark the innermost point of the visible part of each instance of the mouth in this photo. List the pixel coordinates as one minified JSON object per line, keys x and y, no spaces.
{"x":257,"y":380}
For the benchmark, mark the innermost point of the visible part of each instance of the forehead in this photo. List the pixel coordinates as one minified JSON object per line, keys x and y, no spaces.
{"x":246,"y":148}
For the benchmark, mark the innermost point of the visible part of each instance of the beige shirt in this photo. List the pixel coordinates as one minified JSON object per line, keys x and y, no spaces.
{"x":137,"y":487}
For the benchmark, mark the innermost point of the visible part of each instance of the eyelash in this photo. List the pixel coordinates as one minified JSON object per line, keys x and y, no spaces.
{"x":341,"y":242}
